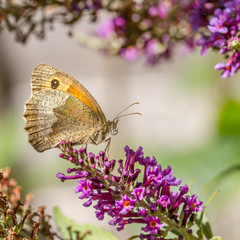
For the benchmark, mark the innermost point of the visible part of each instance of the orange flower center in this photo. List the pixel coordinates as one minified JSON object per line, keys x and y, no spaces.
{"x":85,"y":187}
{"x":153,"y":224}
{"x":193,"y":205}
{"x":126,"y":204}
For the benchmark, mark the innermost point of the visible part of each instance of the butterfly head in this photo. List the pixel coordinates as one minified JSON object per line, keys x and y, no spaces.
{"x":113,"y":126}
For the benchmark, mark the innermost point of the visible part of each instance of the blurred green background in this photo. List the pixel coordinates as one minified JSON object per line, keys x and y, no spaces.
{"x":190,"y":120}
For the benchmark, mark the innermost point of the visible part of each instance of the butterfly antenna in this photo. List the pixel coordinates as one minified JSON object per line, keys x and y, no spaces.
{"x":118,"y":116}
{"x":128,"y":115}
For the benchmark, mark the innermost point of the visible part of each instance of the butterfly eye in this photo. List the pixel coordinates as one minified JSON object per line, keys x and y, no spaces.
{"x":114,"y":131}
{"x":54,"y":83}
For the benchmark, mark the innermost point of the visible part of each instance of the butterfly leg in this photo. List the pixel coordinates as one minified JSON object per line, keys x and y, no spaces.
{"x":93,"y":142}
{"x":106,"y":150}
{"x":85,"y":143}
{"x":108,"y":140}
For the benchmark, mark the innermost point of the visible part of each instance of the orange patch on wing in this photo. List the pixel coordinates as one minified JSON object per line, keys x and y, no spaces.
{"x":82,"y":96}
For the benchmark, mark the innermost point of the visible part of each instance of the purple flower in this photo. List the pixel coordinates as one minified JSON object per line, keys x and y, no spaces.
{"x":142,"y":212}
{"x":161,"y":10}
{"x":153,"y":11}
{"x":139,"y":193}
{"x":153,"y":225}
{"x":164,"y":201}
{"x":130,"y":53}
{"x":233,"y":5}
{"x":224,"y":28}
{"x":106,"y":30}
{"x":85,"y":188}
{"x":152,"y":47}
{"x":183,"y":189}
{"x":119,"y":22}
{"x":219,"y":21}
{"x":228,"y":68}
{"x":193,"y":204}
{"x":125,"y":205}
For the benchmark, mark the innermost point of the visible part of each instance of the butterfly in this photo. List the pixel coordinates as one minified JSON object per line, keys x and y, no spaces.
{"x":61,"y":108}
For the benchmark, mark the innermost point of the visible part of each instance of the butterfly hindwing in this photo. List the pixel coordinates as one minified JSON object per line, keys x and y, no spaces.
{"x":52,"y":116}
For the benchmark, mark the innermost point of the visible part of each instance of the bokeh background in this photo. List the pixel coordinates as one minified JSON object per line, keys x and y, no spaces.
{"x":190,"y":120}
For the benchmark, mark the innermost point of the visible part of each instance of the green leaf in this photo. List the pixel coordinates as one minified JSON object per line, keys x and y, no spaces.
{"x":64,"y":222}
{"x":207,"y":231}
{"x":216,"y":238}
{"x":204,"y":225}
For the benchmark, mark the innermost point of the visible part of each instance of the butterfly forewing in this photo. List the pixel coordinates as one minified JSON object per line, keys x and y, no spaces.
{"x":43,"y":76}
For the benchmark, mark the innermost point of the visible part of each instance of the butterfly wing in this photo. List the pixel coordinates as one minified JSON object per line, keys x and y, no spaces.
{"x":52,"y":116}
{"x":43,"y":77}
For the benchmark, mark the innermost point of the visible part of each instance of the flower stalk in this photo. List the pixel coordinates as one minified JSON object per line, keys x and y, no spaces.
{"x":131,"y":197}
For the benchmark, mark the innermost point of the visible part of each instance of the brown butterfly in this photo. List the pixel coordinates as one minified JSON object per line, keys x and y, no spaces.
{"x":60,"y":108}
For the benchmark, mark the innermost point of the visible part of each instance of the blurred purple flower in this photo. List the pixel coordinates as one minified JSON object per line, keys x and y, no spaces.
{"x":230,"y":67}
{"x":219,"y":21}
{"x":130,"y":53}
{"x":106,"y":29}
{"x":119,"y":21}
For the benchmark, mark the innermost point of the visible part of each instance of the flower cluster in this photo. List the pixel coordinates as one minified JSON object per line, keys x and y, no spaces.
{"x":18,"y":220}
{"x":148,"y":28}
{"x":136,"y":28}
{"x":223,"y":32}
{"x":132,"y":28}
{"x":145,"y":197}
{"x":24,"y":18}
